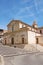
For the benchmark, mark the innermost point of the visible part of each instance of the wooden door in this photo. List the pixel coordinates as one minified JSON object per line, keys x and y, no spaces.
{"x":12,"y":41}
{"x":5,"y":41}
{"x":22,"y":40}
{"x":36,"y":40}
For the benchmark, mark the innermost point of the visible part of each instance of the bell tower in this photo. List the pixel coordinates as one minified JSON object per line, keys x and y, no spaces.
{"x":35,"y":25}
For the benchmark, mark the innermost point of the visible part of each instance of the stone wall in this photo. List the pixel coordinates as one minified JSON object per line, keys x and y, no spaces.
{"x":40,"y":40}
{"x":13,"y":26}
{"x":17,"y":38}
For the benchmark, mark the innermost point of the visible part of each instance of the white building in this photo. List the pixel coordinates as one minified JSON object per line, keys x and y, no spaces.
{"x":21,"y":34}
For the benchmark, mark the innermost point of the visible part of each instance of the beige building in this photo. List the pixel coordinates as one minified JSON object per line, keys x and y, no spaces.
{"x":2,"y":34}
{"x":20,"y":34}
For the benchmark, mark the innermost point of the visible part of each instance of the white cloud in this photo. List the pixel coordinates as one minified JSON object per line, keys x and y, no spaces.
{"x":32,"y":14}
{"x":39,"y":1}
{"x":36,"y":5}
{"x":23,"y":10}
{"x":25,"y":1}
{"x":41,"y":10}
{"x":25,"y":16}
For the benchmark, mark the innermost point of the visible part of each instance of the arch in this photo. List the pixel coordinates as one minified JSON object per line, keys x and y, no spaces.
{"x":12,"y":40}
{"x":5,"y":42}
{"x":36,"y":40}
{"x":22,"y":40}
{"x":41,"y":31}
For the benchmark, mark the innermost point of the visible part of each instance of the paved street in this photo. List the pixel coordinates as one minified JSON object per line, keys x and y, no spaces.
{"x":17,"y":56}
{"x":28,"y":59}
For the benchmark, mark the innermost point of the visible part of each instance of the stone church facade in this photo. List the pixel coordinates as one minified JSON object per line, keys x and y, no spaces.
{"x":20,"y":33}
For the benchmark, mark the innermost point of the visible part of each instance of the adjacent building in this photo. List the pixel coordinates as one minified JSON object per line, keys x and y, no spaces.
{"x":2,"y":34}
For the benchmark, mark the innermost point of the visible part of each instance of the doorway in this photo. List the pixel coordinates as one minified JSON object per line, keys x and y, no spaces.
{"x":36,"y":40}
{"x":12,"y":41}
{"x":5,"y":41}
{"x":22,"y":40}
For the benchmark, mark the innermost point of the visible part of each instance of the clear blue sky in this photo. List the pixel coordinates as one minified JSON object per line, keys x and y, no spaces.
{"x":24,"y":10}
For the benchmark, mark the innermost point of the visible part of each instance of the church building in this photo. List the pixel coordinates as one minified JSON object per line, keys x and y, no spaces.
{"x":21,"y":34}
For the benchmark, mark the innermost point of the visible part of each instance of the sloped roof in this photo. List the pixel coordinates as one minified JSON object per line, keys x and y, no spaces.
{"x":18,"y":21}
